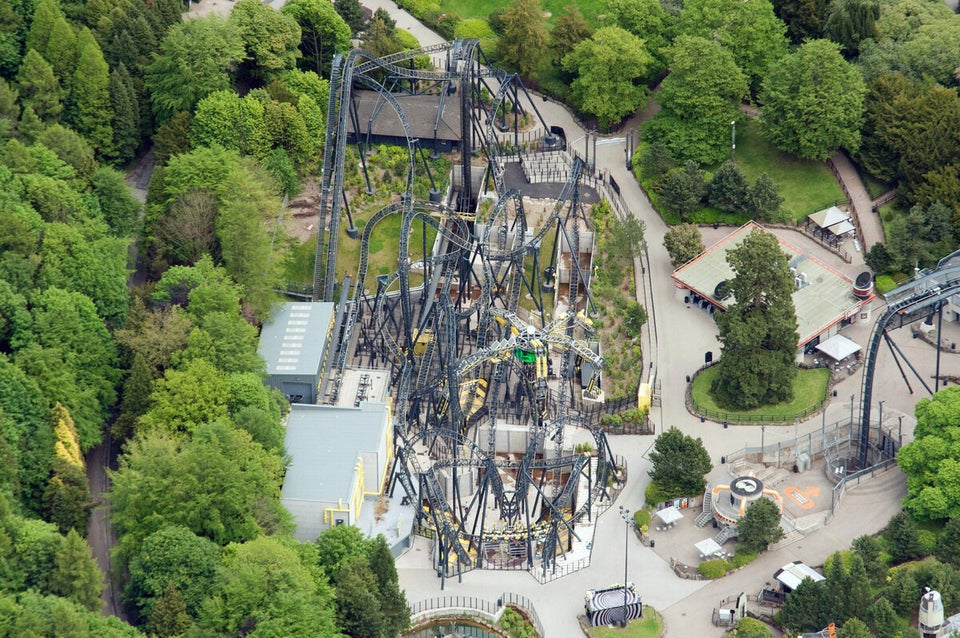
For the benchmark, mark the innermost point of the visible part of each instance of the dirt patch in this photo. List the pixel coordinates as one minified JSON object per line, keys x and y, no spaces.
{"x":300,"y":219}
{"x":208,"y":7}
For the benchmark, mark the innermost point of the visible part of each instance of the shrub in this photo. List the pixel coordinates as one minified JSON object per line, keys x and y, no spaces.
{"x":654,"y":495}
{"x":885,"y":283}
{"x":742,"y":557}
{"x":516,"y":625}
{"x":716,"y":568}
{"x":641,"y":518}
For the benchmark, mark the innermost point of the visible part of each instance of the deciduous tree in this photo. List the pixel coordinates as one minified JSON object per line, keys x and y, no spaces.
{"x":569,"y":30}
{"x":683,"y":242}
{"x":759,"y":526}
{"x":76,"y":575}
{"x":680,"y":463}
{"x":759,"y":331}
{"x":524,"y":37}
{"x":322,"y":33}
{"x":271,"y":37}
{"x":609,"y":66}
{"x":813,"y":102}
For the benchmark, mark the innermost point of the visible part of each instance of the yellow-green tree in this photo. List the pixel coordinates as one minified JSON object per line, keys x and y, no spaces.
{"x":67,"y":497}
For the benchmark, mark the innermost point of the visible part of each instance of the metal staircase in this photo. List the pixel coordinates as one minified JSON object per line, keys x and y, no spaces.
{"x":707,"y":514}
{"x":726,"y":534}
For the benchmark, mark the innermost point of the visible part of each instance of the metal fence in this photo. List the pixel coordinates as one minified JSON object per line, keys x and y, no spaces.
{"x":473,"y":606}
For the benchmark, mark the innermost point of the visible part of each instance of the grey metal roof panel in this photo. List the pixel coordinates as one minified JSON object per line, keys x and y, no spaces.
{"x":324,"y":442}
{"x":294,"y":340}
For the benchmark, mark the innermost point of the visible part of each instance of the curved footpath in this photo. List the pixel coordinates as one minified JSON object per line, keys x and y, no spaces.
{"x":684,"y":335}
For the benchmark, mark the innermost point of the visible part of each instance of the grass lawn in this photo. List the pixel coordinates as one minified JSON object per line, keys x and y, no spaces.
{"x":809,"y":389}
{"x":482,"y":8}
{"x":650,"y":626}
{"x":805,"y":185}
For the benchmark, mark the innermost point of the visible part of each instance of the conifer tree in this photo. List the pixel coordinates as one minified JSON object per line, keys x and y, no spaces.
{"x":169,"y":616}
{"x":88,"y":101}
{"x":67,"y":497}
{"x":76,"y":575}
{"x":39,"y":87}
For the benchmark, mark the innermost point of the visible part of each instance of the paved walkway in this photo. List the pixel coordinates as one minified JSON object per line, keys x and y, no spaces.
{"x":860,"y":201}
{"x":683,"y":335}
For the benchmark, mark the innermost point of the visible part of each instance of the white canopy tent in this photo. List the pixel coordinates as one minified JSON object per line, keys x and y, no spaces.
{"x":843,"y":228}
{"x":708,"y":547}
{"x":669,"y":515}
{"x":838,"y":347}
{"x":829,"y":217}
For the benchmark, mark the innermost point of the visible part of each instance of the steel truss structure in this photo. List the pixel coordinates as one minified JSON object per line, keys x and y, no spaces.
{"x":481,"y":416}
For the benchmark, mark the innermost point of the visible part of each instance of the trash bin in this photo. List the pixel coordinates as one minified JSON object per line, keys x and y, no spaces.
{"x":653,"y":543}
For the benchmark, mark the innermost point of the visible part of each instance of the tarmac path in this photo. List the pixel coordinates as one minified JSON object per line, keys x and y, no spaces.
{"x":683,"y":336}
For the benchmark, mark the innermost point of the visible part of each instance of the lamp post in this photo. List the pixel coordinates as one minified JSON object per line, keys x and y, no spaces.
{"x":625,"y":515}
{"x":763,"y":439}
{"x":851,"y":409}
{"x":733,"y":141}
{"x":880,"y":425}
{"x":900,"y":431}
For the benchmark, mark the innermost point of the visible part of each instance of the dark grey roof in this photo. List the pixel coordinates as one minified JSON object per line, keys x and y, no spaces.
{"x":324,"y":442}
{"x":293,"y":341}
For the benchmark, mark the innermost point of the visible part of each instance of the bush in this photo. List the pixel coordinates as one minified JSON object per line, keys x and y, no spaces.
{"x":742,"y":557}
{"x":641,"y":518}
{"x":716,"y":568}
{"x":654,"y":495}
{"x":885,"y":283}
{"x":516,"y":625}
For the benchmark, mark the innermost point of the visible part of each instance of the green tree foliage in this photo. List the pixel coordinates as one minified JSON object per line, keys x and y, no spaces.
{"x":234,"y":122}
{"x":859,"y":595}
{"x":268,"y":591}
{"x":88,"y":94}
{"x":931,"y":466}
{"x":379,"y":38}
{"x":173,"y":556}
{"x":169,"y":615}
{"x":803,"y":609}
{"x":921,"y":237}
{"x":271,"y":38}
{"x":728,"y":190}
{"x":654,"y":161}
{"x":12,"y":26}
{"x":939,"y":577}
{"x":759,"y":331}
{"x":524,"y":37}
{"x":337,"y":545}
{"x":764,"y":200}
{"x":683,"y":243}
{"x":165,"y":482}
{"x":804,"y":18}
{"x":682,"y":190}
{"x":27,"y":431}
{"x":645,"y":19}
{"x":186,"y":233}
{"x":749,"y":30}
{"x":33,"y":614}
{"x":125,"y":108}
{"x":608,"y":67}
{"x":699,"y":99}
{"x":569,"y":29}
{"x":71,"y":148}
{"x":352,"y":13}
{"x":854,"y":628}
{"x":902,"y":591}
{"x":902,"y":536}
{"x":358,"y":606}
{"x":67,"y":497}
{"x":134,"y":399}
{"x":195,"y":59}
{"x":322,"y":31}
{"x":183,"y":400}
{"x":680,"y":463}
{"x":751,"y":628}
{"x":121,"y":210}
{"x":280,"y":165}
{"x":870,"y":550}
{"x":52,"y":37}
{"x":837,"y":605}
{"x":759,"y":526}
{"x":39,"y":88}
{"x":850,"y":22}
{"x":882,"y":619}
{"x":155,"y":334}
{"x":948,"y":544}
{"x":813,"y":102}
{"x":35,"y":545}
{"x":76,"y":576}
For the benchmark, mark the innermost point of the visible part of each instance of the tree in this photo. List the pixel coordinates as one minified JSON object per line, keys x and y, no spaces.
{"x":948,"y":544}
{"x":352,"y":13}
{"x":187,"y":232}
{"x":155,"y":334}
{"x":608,"y":66}
{"x":699,"y":99}
{"x":902,"y":538}
{"x":393,"y":601}
{"x":524,"y":37}
{"x":854,"y":628}
{"x":859,"y":594}
{"x":759,"y":526}
{"x":322,"y":33}
{"x":195,"y":60}
{"x":836,"y":604}
{"x":271,"y":37}
{"x":121,"y":210}
{"x":70,"y":147}
{"x":76,"y":575}
{"x":749,"y":30}
{"x":804,"y":18}
{"x":183,"y":400}
{"x":67,"y":496}
{"x":682,"y":190}
{"x":52,"y":37}
{"x":680,"y":463}
{"x":234,"y":122}
{"x":357,"y":600}
{"x":173,"y":556}
{"x":569,"y":29}
{"x":882,"y":619}
{"x":88,"y":94}
{"x":803,"y":608}
{"x":751,"y":628}
{"x":162,"y":481}
{"x":337,"y":545}
{"x":645,"y":19}
{"x":931,"y":466}
{"x":683,"y":242}
{"x":764,"y":199}
{"x":728,"y":190}
{"x":654,"y":161}
{"x":125,"y":107}
{"x":813,"y":102}
{"x":169,"y":615}
{"x":379,"y":38}
{"x":850,"y":22}
{"x":921,"y":237}
{"x":759,"y":331}
{"x":267,"y":587}
{"x":903,"y":592}
{"x":870,"y":550}
{"x":39,"y":88}
{"x":134,"y":399}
